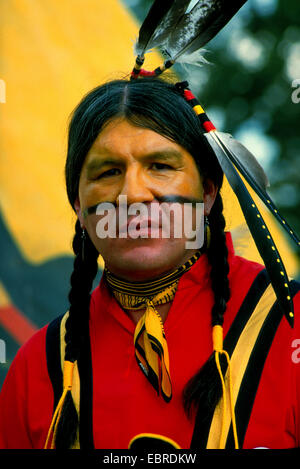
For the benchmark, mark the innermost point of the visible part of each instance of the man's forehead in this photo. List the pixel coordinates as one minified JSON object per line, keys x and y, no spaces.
{"x":119,"y":133}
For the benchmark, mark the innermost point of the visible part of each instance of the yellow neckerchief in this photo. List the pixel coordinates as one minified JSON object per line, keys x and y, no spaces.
{"x":151,"y":349}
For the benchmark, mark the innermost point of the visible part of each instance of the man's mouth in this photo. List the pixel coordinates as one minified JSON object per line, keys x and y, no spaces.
{"x":169,"y":217}
{"x":141,"y":227}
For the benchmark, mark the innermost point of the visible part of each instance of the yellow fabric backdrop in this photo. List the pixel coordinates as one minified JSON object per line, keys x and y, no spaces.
{"x":52,"y":53}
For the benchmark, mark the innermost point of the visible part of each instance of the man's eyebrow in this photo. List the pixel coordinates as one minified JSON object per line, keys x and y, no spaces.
{"x":167,"y":154}
{"x":97,"y":163}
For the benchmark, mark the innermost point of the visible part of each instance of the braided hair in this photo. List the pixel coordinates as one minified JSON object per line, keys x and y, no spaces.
{"x":84,"y":272}
{"x":157,"y":105}
{"x":204,"y":389}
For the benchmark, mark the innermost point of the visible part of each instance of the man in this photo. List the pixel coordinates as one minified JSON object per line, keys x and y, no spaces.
{"x":143,"y":355}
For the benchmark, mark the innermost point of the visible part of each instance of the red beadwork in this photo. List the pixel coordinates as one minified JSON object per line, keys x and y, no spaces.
{"x":208,"y":126}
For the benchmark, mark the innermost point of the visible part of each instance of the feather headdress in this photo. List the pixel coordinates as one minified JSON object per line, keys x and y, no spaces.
{"x":181,"y":31}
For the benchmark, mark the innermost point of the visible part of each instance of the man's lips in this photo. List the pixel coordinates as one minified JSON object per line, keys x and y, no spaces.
{"x":153,"y":219}
{"x":135,"y":223}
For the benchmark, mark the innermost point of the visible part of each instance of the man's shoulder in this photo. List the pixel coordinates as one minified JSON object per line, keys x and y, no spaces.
{"x":244,"y":272}
{"x":35,"y":346}
{"x":35,"y":342}
{"x":30,"y":359}
{"x":296,"y":301}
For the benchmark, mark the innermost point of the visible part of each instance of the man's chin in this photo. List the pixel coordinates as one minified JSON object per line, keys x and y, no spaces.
{"x":145,"y":260}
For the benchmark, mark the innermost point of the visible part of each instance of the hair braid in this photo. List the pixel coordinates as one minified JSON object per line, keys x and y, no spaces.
{"x":84,"y":272}
{"x":204,"y":390}
{"x":218,"y":259}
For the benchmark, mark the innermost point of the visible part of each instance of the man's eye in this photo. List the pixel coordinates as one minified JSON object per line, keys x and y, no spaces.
{"x":160,"y":166}
{"x":109,"y":173}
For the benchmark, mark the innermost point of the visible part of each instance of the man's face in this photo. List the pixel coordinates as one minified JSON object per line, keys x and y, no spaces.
{"x":144,"y":166}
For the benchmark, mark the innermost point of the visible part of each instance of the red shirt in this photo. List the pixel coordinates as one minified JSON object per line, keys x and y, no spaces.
{"x":124,"y":402}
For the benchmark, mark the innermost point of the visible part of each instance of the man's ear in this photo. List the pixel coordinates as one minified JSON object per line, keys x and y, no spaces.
{"x":78,"y":211}
{"x":209,"y":195}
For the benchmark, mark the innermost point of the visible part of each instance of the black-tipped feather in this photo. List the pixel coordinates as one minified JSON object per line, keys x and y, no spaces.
{"x":155,"y":15}
{"x":200,"y":25}
{"x":169,"y":23}
{"x":258,"y":228}
{"x":251,"y":170}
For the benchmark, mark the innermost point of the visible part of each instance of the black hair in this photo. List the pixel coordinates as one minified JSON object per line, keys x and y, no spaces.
{"x":203,"y":391}
{"x":84,"y":272}
{"x":157,"y":105}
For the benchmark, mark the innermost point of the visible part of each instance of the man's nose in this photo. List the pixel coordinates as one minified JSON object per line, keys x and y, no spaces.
{"x":136,"y":187}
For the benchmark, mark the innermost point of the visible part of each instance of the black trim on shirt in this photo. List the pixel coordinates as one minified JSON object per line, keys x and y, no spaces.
{"x":84,"y":362}
{"x":254,"y":370}
{"x":255,"y":292}
{"x":53,"y":358}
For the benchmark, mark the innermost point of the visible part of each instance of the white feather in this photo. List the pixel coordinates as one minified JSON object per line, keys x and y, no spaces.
{"x":194,"y":58}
